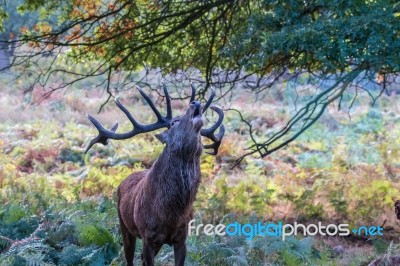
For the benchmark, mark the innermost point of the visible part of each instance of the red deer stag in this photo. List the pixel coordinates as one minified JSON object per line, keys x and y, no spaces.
{"x":156,"y":205}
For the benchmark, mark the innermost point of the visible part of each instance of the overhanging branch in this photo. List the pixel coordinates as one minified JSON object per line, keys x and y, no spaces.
{"x":305,"y":117}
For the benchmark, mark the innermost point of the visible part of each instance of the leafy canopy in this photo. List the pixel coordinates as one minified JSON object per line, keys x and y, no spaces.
{"x":222,"y":43}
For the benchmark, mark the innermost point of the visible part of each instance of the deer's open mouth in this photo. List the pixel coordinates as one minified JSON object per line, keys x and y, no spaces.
{"x":197,"y":119}
{"x":196,"y":112}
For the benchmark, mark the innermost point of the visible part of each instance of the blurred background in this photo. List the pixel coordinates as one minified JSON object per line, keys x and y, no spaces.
{"x":57,"y":204}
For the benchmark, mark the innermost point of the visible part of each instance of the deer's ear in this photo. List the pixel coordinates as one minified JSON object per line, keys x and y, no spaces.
{"x":162,"y":137}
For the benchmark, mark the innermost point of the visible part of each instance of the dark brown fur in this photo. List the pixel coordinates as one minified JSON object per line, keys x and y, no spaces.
{"x":156,"y":205}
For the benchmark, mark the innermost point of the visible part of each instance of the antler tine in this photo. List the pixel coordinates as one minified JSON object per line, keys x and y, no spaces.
{"x":101,"y":138}
{"x":217,"y":141}
{"x":151,"y":104}
{"x":168,"y":100}
{"x":217,"y":124}
{"x":126,"y":112}
{"x":105,"y":134}
{"x":192,"y":97}
{"x":139,"y":128}
{"x":209,"y":132}
{"x":209,"y":101}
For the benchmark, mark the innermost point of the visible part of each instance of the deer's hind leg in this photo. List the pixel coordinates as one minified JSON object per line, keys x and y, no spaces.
{"x":148,"y":254}
{"x":180,"y":253}
{"x":129,"y":244}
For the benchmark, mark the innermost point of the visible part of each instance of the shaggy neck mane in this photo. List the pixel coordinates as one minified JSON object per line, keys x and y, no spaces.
{"x":173,"y":180}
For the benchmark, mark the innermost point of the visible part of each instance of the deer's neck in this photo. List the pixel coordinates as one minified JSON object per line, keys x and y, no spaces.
{"x":174,"y":180}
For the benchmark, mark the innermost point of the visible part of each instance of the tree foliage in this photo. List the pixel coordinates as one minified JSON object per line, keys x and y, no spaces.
{"x":220,"y":43}
{"x":11,"y":24}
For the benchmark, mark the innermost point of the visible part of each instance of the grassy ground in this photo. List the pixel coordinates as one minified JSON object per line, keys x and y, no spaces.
{"x":58,"y":205}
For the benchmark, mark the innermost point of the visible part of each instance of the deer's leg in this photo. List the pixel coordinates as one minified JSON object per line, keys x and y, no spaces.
{"x":129,"y":244}
{"x":148,"y":253}
{"x":156,"y":250}
{"x":180,"y":253}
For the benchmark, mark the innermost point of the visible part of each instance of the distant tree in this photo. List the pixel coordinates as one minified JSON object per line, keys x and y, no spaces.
{"x":13,"y":23}
{"x":223,"y":43}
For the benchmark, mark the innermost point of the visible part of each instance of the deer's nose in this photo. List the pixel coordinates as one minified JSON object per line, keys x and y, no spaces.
{"x":196,"y":104}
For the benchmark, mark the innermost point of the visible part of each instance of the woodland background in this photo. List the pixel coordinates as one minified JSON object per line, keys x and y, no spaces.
{"x":311,"y":106}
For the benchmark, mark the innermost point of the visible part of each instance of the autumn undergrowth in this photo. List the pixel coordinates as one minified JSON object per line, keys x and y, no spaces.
{"x":58,"y":204}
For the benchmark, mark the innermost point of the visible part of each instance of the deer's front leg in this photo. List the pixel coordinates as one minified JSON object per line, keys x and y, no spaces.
{"x":148,"y":253}
{"x":180,"y":253}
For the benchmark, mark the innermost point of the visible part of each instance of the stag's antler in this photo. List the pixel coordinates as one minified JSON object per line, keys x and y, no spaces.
{"x":209,"y":101}
{"x":209,"y":132}
{"x":162,"y":121}
{"x":105,"y":134}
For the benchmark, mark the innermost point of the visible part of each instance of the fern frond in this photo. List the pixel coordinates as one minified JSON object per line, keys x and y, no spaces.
{"x":234,"y":260}
{"x":59,"y":233}
{"x":5,"y":242}
{"x":97,"y":257}
{"x":25,"y":246}
{"x":95,"y":234}
{"x":72,"y":255}
{"x":289,"y":258}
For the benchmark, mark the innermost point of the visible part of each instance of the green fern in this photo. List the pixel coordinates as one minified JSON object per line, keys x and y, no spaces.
{"x":33,"y":252}
{"x":13,"y":214}
{"x":292,"y":249}
{"x":302,"y":249}
{"x":60,"y":233}
{"x":95,"y":258}
{"x":216,"y":252}
{"x":72,"y":255}
{"x":289,"y":258}
{"x":380,"y":246}
{"x":31,"y":246}
{"x":19,"y":229}
{"x":4,"y":244}
{"x":236,"y":241}
{"x":95,"y":234}
{"x":37,"y":260}
{"x":6,"y":260}
{"x":233,"y":260}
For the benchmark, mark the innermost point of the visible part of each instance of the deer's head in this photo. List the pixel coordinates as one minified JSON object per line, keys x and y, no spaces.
{"x":183,"y":134}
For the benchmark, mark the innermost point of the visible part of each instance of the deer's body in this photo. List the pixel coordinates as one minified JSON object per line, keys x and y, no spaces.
{"x":156,"y":205}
